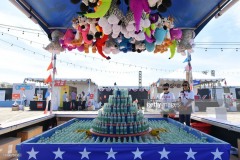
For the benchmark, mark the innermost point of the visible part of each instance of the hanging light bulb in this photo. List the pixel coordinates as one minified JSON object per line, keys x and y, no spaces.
{"x":236,"y":49}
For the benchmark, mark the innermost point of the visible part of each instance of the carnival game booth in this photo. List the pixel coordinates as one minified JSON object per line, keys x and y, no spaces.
{"x":68,"y":85}
{"x":21,"y":93}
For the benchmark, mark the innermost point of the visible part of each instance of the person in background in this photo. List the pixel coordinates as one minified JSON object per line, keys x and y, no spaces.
{"x":65,"y":100}
{"x":35,"y":97}
{"x":40,"y":97}
{"x":65,"y":97}
{"x":79,"y":100}
{"x":166,"y":98}
{"x":186,"y":97}
{"x":73,"y":101}
{"x":84,"y":99}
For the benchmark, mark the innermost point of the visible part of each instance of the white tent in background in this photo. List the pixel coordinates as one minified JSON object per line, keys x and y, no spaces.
{"x":175,"y":80}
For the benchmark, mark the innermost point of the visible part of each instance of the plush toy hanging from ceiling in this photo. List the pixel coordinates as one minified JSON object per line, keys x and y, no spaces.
{"x":84,"y":29}
{"x":100,"y":42}
{"x":67,"y":40}
{"x":160,"y":5}
{"x":55,"y":46}
{"x":86,"y":5}
{"x":111,"y":46}
{"x":78,"y":37}
{"x":187,"y":41}
{"x":100,"y":10}
{"x":137,"y":7}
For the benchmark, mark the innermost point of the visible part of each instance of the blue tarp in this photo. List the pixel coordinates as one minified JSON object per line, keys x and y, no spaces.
{"x":59,"y":13}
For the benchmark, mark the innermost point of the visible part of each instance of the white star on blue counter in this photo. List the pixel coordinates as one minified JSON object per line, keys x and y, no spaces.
{"x":137,"y":154}
{"x":58,"y":154}
{"x":32,"y":154}
{"x":217,"y":154}
{"x":114,"y":152}
{"x":111,"y":154}
{"x":85,"y":153}
{"x":164,"y":153}
{"x":190,"y":154}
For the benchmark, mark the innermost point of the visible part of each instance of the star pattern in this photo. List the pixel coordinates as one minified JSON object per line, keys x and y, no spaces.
{"x":164,"y":153}
{"x":190,"y":154}
{"x":58,"y":154}
{"x":137,"y":154}
{"x":85,"y":153}
{"x":32,"y":154}
{"x":217,"y":154}
{"x":111,"y":154}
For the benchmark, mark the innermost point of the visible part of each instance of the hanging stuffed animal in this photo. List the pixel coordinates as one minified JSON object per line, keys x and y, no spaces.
{"x":137,"y":7}
{"x":186,"y":43}
{"x":176,"y":33}
{"x":78,"y":37}
{"x":84,"y":29}
{"x":67,"y":40}
{"x":100,"y":42}
{"x":101,"y":10}
{"x":111,"y":46}
{"x":55,"y":46}
{"x":163,"y":5}
{"x":85,"y":5}
{"x":93,"y":22}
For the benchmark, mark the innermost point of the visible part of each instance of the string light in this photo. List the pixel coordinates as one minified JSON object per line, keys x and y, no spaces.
{"x":157,"y":69}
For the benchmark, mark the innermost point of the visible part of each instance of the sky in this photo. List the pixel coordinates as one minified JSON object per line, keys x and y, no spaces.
{"x":18,"y":60}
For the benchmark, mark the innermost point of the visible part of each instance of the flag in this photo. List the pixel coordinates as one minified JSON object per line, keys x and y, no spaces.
{"x":186,"y":60}
{"x":50,"y":66}
{"x":49,"y":79}
{"x":225,"y":83}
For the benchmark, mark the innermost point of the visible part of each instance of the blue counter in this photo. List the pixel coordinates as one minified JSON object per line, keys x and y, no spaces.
{"x":213,"y":149}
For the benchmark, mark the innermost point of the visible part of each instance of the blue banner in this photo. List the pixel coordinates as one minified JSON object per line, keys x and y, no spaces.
{"x":25,"y":86}
{"x":196,"y":82}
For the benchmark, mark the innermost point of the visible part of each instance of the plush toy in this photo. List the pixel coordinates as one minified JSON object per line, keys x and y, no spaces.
{"x":54,"y":46}
{"x":163,"y":47}
{"x":173,"y":47}
{"x":111,"y":46}
{"x":139,"y":47}
{"x":84,"y":29}
{"x":162,"y":30}
{"x":153,"y":4}
{"x":78,"y":37}
{"x":149,"y":31}
{"x":125,"y":45}
{"x":175,"y":33}
{"x":100,"y":42}
{"x":101,"y":10}
{"x":160,"y":35}
{"x":85,"y":5}
{"x":142,"y":5}
{"x":67,"y":39}
{"x":93,"y":22}
{"x":186,"y":43}
{"x":162,"y":7}
{"x":149,"y":46}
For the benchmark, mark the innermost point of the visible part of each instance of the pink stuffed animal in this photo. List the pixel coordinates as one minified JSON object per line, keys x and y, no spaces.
{"x":142,"y":5}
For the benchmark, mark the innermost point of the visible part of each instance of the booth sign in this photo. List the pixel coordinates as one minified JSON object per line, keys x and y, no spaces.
{"x":15,"y":96}
{"x":60,"y":83}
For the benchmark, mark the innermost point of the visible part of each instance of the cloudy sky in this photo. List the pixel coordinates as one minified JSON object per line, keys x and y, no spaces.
{"x":22,"y":55}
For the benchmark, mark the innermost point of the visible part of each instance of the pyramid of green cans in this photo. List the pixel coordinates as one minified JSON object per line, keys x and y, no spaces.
{"x":120,"y":116}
